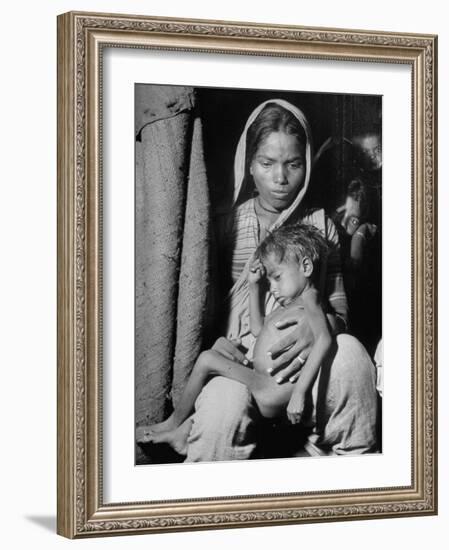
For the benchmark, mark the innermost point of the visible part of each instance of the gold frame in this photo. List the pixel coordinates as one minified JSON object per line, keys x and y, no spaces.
{"x":81,"y":37}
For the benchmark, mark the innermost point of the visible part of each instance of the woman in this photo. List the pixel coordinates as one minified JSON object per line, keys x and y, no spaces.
{"x":274,"y":158}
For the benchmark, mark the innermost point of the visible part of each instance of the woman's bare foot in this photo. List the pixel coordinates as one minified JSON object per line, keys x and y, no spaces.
{"x":176,"y":438}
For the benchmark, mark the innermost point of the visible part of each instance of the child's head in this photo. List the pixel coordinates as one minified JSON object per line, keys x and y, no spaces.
{"x":356,"y":208}
{"x":368,"y":148}
{"x":291,"y":255}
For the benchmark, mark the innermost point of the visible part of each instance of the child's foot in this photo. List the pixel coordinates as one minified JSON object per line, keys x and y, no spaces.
{"x":144,"y":432}
{"x":176,"y":438}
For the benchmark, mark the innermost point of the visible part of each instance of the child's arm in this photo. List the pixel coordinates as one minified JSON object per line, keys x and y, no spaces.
{"x":322,"y":343}
{"x":256,"y":317}
{"x":358,"y":242}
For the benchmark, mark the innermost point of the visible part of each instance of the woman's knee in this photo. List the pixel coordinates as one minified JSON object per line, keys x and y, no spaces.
{"x":221,"y":400}
{"x":223,"y":423}
{"x":349,"y":374}
{"x":351,"y":359}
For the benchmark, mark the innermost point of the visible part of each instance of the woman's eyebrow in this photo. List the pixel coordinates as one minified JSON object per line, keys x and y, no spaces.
{"x":290,"y":159}
{"x":266,"y":157}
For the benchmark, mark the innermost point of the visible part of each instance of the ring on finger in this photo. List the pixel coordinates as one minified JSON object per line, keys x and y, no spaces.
{"x":300,"y":360}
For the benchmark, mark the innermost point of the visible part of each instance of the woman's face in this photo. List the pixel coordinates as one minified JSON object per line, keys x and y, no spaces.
{"x":278,"y":169}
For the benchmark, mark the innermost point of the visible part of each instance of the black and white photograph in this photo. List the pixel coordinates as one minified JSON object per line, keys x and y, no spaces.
{"x":258,"y":274}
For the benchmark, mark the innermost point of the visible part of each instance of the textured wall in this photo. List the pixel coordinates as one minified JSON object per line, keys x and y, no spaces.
{"x":172,"y":210}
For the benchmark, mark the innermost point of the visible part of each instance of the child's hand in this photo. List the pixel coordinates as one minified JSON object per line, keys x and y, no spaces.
{"x":295,"y":407}
{"x":358,"y":242}
{"x":366,"y":230}
{"x":256,"y":272}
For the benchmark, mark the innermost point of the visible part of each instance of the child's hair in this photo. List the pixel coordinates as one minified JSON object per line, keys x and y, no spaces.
{"x":358,"y":191}
{"x":293,"y":243}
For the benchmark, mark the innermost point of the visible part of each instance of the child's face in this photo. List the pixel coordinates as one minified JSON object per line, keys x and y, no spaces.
{"x":370,"y":148}
{"x":351,"y":220}
{"x":288,"y":279}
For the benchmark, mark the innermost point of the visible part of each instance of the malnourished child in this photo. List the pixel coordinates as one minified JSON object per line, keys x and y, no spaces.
{"x":288,"y":260}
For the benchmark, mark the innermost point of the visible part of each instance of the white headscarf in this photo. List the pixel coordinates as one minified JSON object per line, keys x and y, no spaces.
{"x":240,"y":155}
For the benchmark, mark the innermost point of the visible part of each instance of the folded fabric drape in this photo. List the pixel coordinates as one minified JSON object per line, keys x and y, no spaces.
{"x":172,"y":245}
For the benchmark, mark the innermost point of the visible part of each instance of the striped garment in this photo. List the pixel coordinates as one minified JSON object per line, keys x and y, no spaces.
{"x":238,"y":237}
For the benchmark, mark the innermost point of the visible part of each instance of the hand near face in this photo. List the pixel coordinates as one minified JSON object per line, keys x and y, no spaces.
{"x":368,"y":230}
{"x":256,"y":272}
{"x":358,"y":241}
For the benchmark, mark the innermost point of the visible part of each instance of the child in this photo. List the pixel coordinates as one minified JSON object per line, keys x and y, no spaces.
{"x":352,"y":221}
{"x":361,"y":259}
{"x":289,"y":259}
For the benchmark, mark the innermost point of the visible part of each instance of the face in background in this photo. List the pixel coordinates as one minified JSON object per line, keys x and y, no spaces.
{"x":288,"y":279}
{"x":278,"y":169}
{"x":352,"y":216}
{"x":369,"y":147}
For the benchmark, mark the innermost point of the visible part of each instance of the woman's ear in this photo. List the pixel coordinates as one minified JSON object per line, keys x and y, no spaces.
{"x":251,"y":169}
{"x":307,"y":266}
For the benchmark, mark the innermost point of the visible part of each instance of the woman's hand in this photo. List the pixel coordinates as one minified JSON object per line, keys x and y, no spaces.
{"x":229,"y":349}
{"x":290,"y":352}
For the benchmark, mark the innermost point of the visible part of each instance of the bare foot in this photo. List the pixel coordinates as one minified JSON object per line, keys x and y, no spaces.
{"x":165,"y":426}
{"x":176,"y":438}
{"x":143,"y":433}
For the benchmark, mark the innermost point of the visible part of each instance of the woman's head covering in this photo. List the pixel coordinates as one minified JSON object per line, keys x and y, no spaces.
{"x":240,"y":155}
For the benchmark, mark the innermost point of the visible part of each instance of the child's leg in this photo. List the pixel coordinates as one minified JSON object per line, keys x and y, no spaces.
{"x":176,"y":428}
{"x":209,"y":363}
{"x":271,"y":398}
{"x":200,"y":374}
{"x":195,"y":384}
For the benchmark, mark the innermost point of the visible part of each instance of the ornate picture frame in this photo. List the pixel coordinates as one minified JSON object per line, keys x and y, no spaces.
{"x":82,"y":508}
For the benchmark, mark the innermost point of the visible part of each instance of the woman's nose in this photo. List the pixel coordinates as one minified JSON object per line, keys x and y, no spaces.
{"x":280,"y":175}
